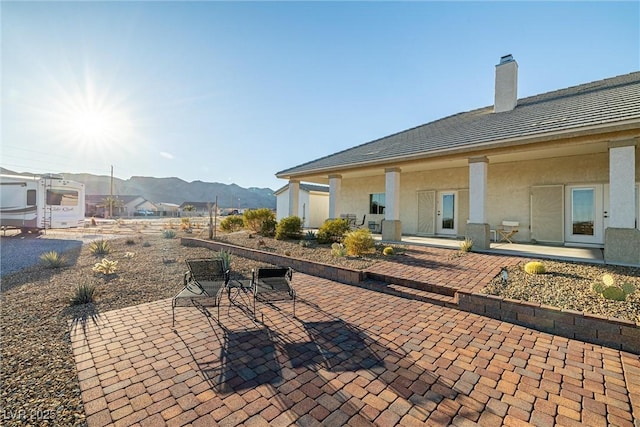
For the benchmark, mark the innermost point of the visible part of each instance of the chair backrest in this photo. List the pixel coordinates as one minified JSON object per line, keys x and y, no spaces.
{"x":206,"y":269}
{"x":272,"y":272}
{"x":512,"y":224}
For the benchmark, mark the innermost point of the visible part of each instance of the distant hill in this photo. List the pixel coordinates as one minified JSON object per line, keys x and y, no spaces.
{"x":174,"y":190}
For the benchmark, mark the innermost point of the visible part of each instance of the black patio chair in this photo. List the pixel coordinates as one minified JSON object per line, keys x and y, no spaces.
{"x":273,"y":284}
{"x":203,"y":284}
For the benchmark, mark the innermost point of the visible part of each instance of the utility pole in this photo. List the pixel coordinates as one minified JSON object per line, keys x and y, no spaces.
{"x":111,"y":196}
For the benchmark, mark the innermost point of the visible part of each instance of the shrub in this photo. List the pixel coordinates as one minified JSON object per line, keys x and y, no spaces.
{"x":338,"y":249}
{"x":146,"y":244}
{"x":289,"y":228}
{"x":359,"y":242}
{"x":253,"y":218}
{"x":100,"y":247}
{"x":269,"y":227}
{"x":84,"y":294}
{"x":130,"y":242}
{"x":388,"y":251}
{"x":185,"y":224}
{"x":225,"y":257}
{"x":53,"y":259}
{"x":333,"y":230}
{"x":534,"y":267}
{"x":232,"y":223}
{"x":169,"y":234}
{"x":105,"y":267}
{"x":466,"y":245}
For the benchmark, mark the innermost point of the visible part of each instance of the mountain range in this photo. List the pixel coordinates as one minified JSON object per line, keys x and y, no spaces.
{"x":173,"y":190}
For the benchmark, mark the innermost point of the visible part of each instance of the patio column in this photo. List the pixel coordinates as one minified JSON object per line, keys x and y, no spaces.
{"x":478,"y":228}
{"x":622,"y":238}
{"x":391,"y":226}
{"x":335,"y":184}
{"x":294,"y":195}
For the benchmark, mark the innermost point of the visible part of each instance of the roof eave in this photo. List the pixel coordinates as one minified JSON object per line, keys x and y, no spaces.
{"x":629,"y":124}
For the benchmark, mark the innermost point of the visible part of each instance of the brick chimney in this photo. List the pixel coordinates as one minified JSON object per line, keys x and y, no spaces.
{"x":506,"y":96}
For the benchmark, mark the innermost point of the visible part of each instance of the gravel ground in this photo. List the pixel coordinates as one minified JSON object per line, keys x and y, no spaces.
{"x":568,"y":285}
{"x":39,"y":383}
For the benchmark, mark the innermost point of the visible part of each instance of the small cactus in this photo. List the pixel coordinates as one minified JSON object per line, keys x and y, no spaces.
{"x":534,"y":267}
{"x":388,"y":251}
{"x":628,"y":288}
{"x":598,"y":287}
{"x":614,"y":293}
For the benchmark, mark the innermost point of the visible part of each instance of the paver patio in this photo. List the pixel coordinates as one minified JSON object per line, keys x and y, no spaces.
{"x":352,"y":356}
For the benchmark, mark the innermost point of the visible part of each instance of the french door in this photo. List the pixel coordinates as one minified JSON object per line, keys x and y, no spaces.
{"x":586,"y":213}
{"x":447,"y":208}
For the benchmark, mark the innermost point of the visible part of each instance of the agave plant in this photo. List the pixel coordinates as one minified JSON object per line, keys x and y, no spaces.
{"x":84,"y":294}
{"x":100,"y":247}
{"x":225,"y":257}
{"x":53,"y":259}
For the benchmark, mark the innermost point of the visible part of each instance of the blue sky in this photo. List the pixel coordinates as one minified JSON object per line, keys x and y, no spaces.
{"x":234,"y":92}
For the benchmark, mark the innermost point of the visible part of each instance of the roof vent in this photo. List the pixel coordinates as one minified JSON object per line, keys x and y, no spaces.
{"x":506,"y":95}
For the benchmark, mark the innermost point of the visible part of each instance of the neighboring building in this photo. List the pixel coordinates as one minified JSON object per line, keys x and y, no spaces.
{"x":313,"y":204}
{"x":168,"y":209}
{"x":123,"y":206}
{"x":199,"y":208}
{"x":563,"y":165}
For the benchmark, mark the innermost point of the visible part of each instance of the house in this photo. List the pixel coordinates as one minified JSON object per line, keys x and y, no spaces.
{"x":313,"y":204}
{"x":123,"y":206}
{"x":561,"y":165}
{"x":168,"y":209}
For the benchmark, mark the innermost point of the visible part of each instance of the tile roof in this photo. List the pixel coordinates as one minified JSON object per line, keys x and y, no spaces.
{"x":306,"y":187}
{"x":603,"y":102}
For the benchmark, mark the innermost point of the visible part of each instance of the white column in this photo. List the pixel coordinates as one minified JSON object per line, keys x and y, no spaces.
{"x":392,"y":194}
{"x":335,"y":184}
{"x":622,"y":171}
{"x":478,"y":190}
{"x":294,"y":195}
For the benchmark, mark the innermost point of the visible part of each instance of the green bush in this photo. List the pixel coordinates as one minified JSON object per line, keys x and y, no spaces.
{"x":359,"y":242}
{"x":289,"y":228}
{"x":100,"y":247}
{"x":232,"y":223}
{"x":169,"y":234}
{"x":53,"y":259}
{"x":83,"y":295}
{"x":269,"y":227}
{"x":333,"y":230}
{"x":254,"y":218}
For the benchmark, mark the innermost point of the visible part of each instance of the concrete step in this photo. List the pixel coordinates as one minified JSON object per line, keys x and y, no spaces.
{"x":410,"y":293}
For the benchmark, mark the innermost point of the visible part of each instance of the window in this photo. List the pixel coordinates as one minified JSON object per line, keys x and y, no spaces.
{"x":376,"y":203}
{"x":59,"y":197}
{"x":31,"y":197}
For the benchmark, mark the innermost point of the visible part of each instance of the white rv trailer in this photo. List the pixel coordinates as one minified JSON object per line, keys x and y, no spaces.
{"x":33,"y":203}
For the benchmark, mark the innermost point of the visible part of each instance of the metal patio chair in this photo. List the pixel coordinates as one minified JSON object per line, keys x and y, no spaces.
{"x":273,"y":284}
{"x":203,"y":284}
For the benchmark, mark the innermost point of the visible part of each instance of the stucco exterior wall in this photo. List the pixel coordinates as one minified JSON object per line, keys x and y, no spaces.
{"x":313,"y":206}
{"x":508,"y":190}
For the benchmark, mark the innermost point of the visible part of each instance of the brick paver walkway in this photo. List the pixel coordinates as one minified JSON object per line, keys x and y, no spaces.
{"x":444,"y":267}
{"x":352,"y":356}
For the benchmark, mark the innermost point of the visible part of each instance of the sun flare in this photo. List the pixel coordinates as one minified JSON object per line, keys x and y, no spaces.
{"x":89,"y":125}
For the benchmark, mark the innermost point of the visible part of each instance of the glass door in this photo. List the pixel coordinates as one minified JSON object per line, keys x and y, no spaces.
{"x":585,"y":214}
{"x":446,"y":214}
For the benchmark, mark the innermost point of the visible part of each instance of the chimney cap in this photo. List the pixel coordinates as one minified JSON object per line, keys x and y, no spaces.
{"x":506,"y":58}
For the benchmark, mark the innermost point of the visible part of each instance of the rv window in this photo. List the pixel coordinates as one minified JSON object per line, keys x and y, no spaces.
{"x":59,"y":197}
{"x":31,"y":197}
